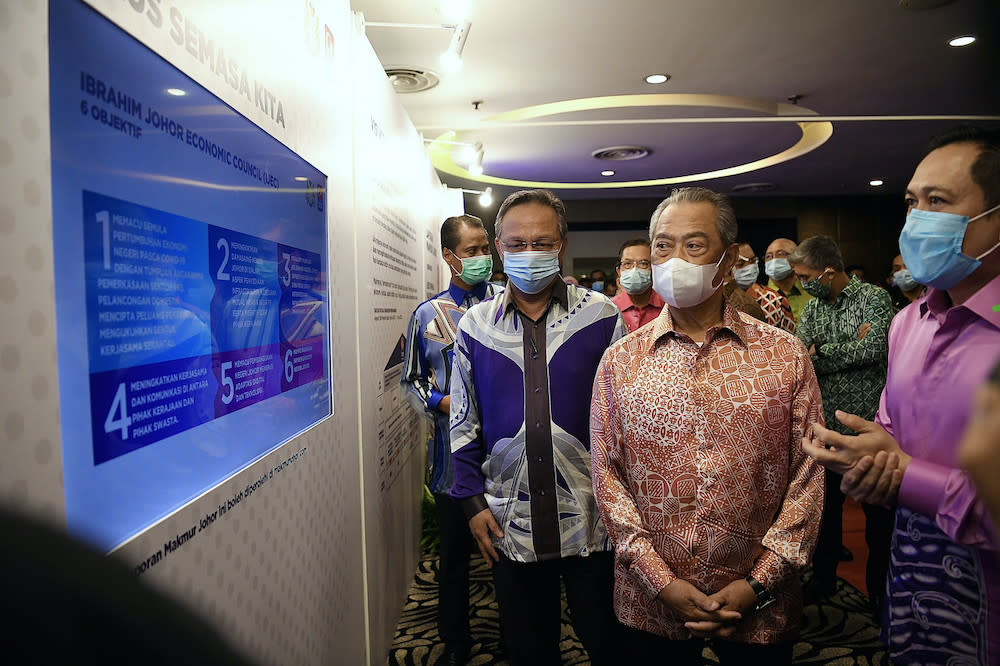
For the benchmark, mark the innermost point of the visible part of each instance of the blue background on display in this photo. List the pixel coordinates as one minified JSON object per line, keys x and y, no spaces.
{"x":172,"y":364}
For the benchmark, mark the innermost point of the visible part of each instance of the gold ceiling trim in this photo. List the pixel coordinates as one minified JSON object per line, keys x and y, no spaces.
{"x":814,"y":134}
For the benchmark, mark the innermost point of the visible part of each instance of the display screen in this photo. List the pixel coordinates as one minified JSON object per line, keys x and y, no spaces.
{"x":191,"y":294}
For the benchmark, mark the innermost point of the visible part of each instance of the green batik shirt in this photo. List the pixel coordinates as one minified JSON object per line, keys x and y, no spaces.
{"x":851,"y":372}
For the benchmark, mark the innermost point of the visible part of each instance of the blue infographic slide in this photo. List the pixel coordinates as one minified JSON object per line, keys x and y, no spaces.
{"x":191,"y":290}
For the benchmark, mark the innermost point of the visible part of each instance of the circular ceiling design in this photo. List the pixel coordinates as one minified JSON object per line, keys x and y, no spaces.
{"x":814,"y":134}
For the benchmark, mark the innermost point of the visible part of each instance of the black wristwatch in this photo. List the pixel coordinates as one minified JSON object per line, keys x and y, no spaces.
{"x":764,"y":598}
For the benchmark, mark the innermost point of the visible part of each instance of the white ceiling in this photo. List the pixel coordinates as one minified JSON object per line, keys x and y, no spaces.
{"x":845,"y":57}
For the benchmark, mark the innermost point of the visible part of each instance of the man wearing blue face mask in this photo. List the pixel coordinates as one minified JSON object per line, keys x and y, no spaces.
{"x":524,"y":372}
{"x":901,"y":278}
{"x":637,"y":301}
{"x":780,"y":275}
{"x":944,"y":579}
{"x":465,"y":247}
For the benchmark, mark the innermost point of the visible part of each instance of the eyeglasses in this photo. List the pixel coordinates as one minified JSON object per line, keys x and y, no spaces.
{"x":521,"y":245}
{"x":628,"y":264}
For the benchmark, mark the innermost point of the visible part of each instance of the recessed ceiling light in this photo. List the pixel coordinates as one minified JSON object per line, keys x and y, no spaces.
{"x":177,"y":92}
{"x":301,"y":179}
{"x":875,"y":183}
{"x":607,"y":172}
{"x":657,"y":78}
{"x":962,"y":41}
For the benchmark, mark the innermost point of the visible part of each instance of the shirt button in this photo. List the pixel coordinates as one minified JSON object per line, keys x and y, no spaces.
{"x":542,"y":493}
{"x":538,"y":389}
{"x":538,"y":424}
{"x":541,"y":459}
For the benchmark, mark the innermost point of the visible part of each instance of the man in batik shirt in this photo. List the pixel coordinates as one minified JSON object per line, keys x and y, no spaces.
{"x":777,"y":311}
{"x":695,"y":428}
{"x":846,"y":327}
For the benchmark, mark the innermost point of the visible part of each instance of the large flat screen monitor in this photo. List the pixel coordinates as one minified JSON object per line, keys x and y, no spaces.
{"x":191,"y":296}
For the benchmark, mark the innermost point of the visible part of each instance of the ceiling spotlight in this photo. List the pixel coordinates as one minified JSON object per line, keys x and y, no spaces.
{"x":607,"y":172}
{"x":451,"y":60}
{"x":962,"y":41}
{"x":176,"y":92}
{"x":467,"y":153}
{"x":657,"y":78}
{"x":301,"y":179}
{"x":486,"y":198}
{"x":875,"y":183}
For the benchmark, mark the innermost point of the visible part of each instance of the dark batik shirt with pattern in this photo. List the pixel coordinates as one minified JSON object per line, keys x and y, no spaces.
{"x":851,"y":372}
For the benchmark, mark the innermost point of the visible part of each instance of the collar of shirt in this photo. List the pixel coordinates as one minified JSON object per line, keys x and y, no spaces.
{"x":985,"y":303}
{"x":852,"y":287}
{"x":794,"y":291}
{"x":624,"y":301}
{"x":730,"y":321}
{"x":459,"y":295}
{"x":558,"y":294}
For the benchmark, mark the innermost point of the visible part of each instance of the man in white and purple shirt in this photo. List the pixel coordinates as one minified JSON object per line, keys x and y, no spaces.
{"x":520,"y":437}
{"x":943,"y":603}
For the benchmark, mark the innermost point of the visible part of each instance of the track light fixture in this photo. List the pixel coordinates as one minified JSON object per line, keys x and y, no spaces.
{"x":451,"y":60}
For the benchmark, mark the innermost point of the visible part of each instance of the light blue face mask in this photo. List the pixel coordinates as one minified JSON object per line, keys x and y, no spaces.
{"x":778,"y":269}
{"x":902,"y":279}
{"x":747,"y":275}
{"x":636,"y":280}
{"x":598,"y":285}
{"x":931,"y":245}
{"x":531,"y":271}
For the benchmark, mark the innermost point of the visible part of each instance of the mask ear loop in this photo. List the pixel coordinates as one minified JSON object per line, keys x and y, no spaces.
{"x":984,"y":214}
{"x":718,"y":265}
{"x":458,"y":274}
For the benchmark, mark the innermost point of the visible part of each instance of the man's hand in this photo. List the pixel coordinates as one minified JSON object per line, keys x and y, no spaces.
{"x":689,"y":605}
{"x":874,"y":480}
{"x":863,"y":331}
{"x":482,"y":525}
{"x":839,"y":453}
{"x":736,"y":597}
{"x":445,"y":405}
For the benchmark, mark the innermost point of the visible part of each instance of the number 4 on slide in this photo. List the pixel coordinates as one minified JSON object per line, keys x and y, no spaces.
{"x":118,"y":418}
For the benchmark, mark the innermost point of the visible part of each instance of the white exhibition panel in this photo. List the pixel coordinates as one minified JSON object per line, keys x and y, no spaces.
{"x":311,"y":559}
{"x":399,"y":205}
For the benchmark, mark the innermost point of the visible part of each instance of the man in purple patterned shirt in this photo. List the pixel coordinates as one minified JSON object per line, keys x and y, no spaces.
{"x":943,"y":603}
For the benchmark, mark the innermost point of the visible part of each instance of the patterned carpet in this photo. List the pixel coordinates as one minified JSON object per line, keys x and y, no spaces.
{"x":840,"y":632}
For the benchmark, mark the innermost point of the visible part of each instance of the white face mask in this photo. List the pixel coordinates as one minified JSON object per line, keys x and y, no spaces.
{"x":683,"y":284}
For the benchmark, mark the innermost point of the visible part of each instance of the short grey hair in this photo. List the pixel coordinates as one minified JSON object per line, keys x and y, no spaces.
{"x":543,"y":197}
{"x":818,"y":253}
{"x":725,"y":221}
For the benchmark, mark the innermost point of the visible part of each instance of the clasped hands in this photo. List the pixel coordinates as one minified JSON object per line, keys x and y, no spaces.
{"x":716,"y":615}
{"x":872,"y":462}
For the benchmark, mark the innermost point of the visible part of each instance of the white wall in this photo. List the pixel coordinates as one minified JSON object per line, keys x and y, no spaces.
{"x":313,"y":567}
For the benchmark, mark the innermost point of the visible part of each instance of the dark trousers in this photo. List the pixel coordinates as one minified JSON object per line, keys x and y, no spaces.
{"x":453,"y":575}
{"x":530,"y":608}
{"x":647,"y":648}
{"x":879,"y":522}
{"x":831,"y":534}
